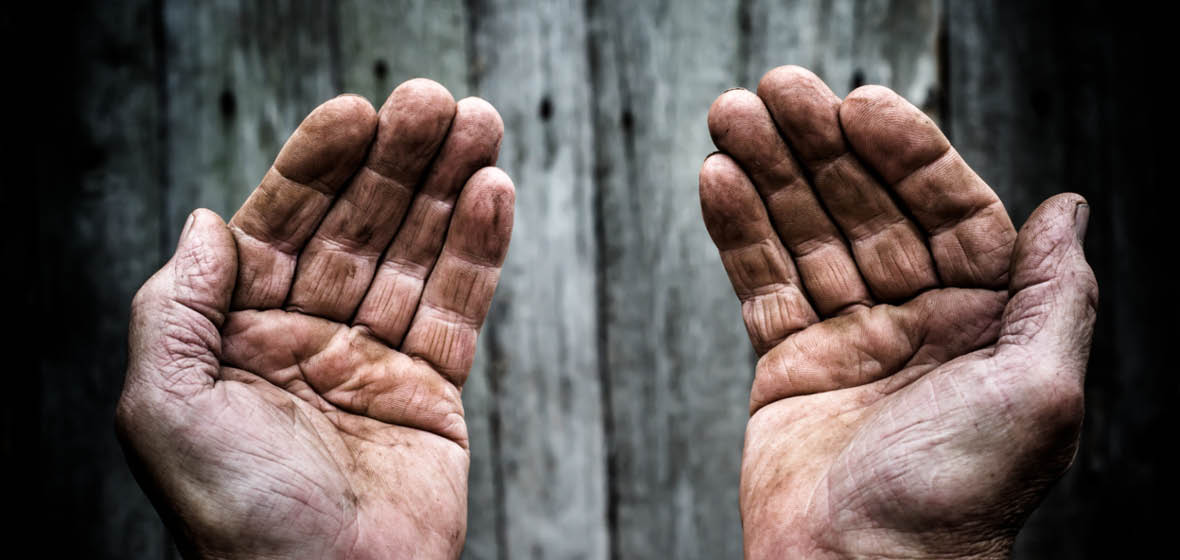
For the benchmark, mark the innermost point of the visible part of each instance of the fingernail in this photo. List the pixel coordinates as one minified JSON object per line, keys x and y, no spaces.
{"x":1081,"y":219}
{"x":188,"y":225}
{"x":735,"y":88}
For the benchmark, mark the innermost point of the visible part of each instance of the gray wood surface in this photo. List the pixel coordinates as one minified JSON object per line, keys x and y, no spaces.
{"x":529,"y":61}
{"x":98,"y":222}
{"x":609,"y":395}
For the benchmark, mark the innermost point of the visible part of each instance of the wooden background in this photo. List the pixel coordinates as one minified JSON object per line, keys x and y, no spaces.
{"x":609,"y":398}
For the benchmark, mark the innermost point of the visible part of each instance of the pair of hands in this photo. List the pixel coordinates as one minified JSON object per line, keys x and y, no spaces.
{"x":294,"y":381}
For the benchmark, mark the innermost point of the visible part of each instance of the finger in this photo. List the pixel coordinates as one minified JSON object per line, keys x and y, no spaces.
{"x":889,"y":248}
{"x":176,"y":315}
{"x":460,"y":287}
{"x":741,"y":127}
{"x":472,"y":144}
{"x":761,"y":271}
{"x":968,"y":228}
{"x":903,"y":341}
{"x":338,"y":263}
{"x":1049,"y":321}
{"x":275,"y":222}
{"x":316,"y":358}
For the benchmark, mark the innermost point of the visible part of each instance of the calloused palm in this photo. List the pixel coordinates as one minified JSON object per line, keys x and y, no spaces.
{"x":294,"y":377}
{"x":920,"y":379}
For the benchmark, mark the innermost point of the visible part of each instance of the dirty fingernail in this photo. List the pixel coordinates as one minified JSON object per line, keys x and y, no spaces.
{"x":1081,"y":219}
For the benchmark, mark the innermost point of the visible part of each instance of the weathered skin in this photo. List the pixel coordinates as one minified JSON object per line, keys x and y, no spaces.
{"x":293,"y":380}
{"x":921,"y":370}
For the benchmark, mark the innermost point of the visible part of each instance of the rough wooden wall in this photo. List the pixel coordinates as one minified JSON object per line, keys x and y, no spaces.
{"x":609,"y":396}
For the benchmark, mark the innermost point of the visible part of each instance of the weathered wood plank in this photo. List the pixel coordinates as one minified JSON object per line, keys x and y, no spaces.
{"x":547,"y":422}
{"x":895,"y":43}
{"x":815,"y":34}
{"x":382,"y":44}
{"x":848,"y":44}
{"x":98,"y":230}
{"x":677,"y":359}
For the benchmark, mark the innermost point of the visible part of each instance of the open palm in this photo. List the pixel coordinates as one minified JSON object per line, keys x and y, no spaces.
{"x":920,"y":378}
{"x":294,"y":379}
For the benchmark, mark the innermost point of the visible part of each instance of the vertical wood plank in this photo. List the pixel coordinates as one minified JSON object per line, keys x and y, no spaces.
{"x":895,"y":43}
{"x":677,"y":359}
{"x":97,"y":229}
{"x":889,"y":42}
{"x":547,"y":425}
{"x":382,"y":44}
{"x":815,"y":34}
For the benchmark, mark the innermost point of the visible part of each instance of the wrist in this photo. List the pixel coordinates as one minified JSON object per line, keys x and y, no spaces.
{"x":871,"y":543}
{"x":928,"y":545}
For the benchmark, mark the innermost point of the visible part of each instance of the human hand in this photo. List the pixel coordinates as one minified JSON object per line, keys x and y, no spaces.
{"x":919,"y":385}
{"x":293,"y":386}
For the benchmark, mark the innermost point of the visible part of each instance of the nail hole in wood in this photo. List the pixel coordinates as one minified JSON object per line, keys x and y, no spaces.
{"x":228,"y":104}
{"x":858,"y":78}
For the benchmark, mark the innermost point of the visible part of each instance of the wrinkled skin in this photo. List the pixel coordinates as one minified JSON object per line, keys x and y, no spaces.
{"x":294,"y":376}
{"x":919,"y":385}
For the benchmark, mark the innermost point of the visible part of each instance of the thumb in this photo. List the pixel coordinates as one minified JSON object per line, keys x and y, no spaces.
{"x":1053,"y":293}
{"x":176,"y":316}
{"x":1048,"y":322}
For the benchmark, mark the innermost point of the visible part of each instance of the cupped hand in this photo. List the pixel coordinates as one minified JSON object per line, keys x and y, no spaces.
{"x":919,"y":385}
{"x":293,"y":386}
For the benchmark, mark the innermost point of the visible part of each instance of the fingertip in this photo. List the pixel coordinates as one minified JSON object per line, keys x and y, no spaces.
{"x":481,"y":128}
{"x":866,"y":101}
{"x":722,"y":181}
{"x":483,"y":112}
{"x":207,"y":226}
{"x":889,"y":131}
{"x":352,"y":116}
{"x":420,"y":94}
{"x":862,"y":102}
{"x":205,"y":215}
{"x":485,"y":213}
{"x":1047,"y":242}
{"x":412,"y":124}
{"x":732,"y":108}
{"x":732,"y":210}
{"x":788,"y":77}
{"x":718,"y":171}
{"x":805,"y":110}
{"x":494,"y":180}
{"x":329,"y":143}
